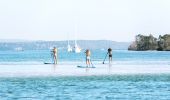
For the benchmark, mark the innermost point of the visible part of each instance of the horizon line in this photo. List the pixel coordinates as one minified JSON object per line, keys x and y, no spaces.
{"x":29,"y":40}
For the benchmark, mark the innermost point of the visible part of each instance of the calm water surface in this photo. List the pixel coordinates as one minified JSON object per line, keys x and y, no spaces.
{"x":119,"y":57}
{"x":119,"y":87}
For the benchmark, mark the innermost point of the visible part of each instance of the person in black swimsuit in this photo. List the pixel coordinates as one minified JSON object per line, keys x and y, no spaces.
{"x":110,"y":55}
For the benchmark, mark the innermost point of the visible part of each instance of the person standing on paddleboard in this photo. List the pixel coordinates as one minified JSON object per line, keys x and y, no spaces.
{"x":110,"y":55}
{"x":54,"y":53}
{"x":87,"y":57}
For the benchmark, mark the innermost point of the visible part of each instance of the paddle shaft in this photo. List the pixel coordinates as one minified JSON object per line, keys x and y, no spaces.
{"x":91,"y":63}
{"x":52,"y":57}
{"x":105,"y":58}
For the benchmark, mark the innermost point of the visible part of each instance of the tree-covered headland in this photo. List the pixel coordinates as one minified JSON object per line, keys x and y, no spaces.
{"x":143,"y":43}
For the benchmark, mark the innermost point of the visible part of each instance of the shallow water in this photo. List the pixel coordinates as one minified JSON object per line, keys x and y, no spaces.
{"x":24,"y":77}
{"x":119,"y":87}
{"x":119,"y":57}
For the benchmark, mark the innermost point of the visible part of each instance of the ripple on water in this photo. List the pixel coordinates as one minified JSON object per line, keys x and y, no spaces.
{"x":133,"y":87}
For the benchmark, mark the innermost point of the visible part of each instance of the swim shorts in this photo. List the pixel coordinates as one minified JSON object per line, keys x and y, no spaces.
{"x":88,"y":57}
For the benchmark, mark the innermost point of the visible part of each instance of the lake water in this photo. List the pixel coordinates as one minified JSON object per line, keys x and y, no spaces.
{"x":92,"y":87}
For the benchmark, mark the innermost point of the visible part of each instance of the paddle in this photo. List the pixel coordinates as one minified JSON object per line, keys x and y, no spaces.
{"x":105,"y":58}
{"x":91,"y":63}
{"x":51,"y":59}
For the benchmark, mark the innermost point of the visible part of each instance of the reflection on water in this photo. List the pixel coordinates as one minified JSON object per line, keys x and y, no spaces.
{"x":109,"y":68}
{"x":87,"y":70}
{"x":54,"y":67}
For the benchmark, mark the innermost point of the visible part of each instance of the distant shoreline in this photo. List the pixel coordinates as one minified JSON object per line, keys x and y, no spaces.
{"x":46,"y":45}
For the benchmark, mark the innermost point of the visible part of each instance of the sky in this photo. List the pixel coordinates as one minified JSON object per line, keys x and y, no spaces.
{"x":116,"y":20}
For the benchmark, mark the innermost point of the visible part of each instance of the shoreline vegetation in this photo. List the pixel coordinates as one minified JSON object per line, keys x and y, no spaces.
{"x":144,"y":43}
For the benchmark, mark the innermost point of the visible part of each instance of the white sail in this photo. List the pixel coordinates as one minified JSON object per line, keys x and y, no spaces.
{"x":69,"y":48}
{"x":76,"y":48}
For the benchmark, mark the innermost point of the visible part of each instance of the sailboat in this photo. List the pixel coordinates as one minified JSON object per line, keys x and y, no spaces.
{"x":69,"y":48}
{"x":76,"y":48}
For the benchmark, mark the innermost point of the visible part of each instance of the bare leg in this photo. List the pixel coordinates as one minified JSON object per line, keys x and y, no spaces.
{"x":55,"y":60}
{"x":110,"y":60}
{"x":89,"y":62}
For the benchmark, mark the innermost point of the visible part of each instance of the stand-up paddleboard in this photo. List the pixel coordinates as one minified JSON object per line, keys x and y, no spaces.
{"x":86,"y":67}
{"x":48,"y":63}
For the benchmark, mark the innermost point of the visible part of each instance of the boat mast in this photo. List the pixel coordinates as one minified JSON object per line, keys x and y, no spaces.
{"x":75,"y":41}
{"x":69,"y":48}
